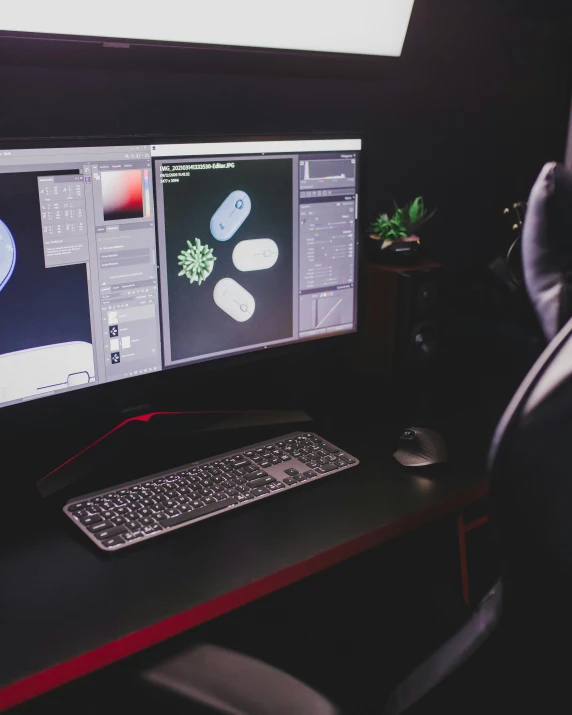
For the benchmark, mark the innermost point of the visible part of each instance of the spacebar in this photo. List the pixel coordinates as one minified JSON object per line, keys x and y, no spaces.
{"x":201,"y":511}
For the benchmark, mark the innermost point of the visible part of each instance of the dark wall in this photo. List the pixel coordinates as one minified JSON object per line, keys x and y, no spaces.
{"x":467,"y":116}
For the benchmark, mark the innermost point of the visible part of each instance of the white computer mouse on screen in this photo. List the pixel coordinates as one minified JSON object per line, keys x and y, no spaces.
{"x":7,"y":254}
{"x":230,"y":215}
{"x":255,"y":254}
{"x":235,"y":300}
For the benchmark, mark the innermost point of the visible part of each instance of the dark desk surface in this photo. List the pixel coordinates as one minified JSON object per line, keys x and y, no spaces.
{"x":68,"y":609}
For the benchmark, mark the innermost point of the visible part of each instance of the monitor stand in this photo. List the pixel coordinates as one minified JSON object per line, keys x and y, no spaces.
{"x":152,"y":442}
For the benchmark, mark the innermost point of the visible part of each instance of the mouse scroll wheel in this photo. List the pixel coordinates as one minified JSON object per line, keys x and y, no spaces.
{"x":408,"y":434}
{"x":239,"y":204}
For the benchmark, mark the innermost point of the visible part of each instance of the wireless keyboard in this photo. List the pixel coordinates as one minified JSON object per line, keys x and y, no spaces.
{"x":148,"y":507}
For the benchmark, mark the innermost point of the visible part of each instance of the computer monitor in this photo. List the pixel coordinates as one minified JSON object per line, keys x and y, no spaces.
{"x":367,"y":28}
{"x":122,"y":260}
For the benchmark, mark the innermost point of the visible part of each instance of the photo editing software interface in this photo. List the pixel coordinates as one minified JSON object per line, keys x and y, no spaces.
{"x":118,"y":261}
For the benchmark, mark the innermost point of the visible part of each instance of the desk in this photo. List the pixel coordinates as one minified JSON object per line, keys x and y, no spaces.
{"x":68,"y":609}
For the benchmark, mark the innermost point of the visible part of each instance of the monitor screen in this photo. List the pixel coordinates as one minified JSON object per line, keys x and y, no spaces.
{"x":367,"y":27}
{"x":118,"y":261}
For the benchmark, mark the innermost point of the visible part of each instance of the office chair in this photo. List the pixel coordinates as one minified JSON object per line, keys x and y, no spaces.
{"x":525,"y":619}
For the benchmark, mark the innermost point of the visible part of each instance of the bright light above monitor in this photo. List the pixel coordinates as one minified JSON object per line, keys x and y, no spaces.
{"x":366,"y":27}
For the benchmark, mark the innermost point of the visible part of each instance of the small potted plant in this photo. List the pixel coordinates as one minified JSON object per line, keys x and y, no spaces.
{"x":398,"y":234}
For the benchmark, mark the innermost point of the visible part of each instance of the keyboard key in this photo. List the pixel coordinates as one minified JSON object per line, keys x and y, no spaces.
{"x":253,"y":477}
{"x":328,"y":467}
{"x":77,"y":505}
{"x":121,"y":519}
{"x":114,"y":541}
{"x":289,"y":481}
{"x":100,"y":526}
{"x":328,"y":448}
{"x":133,"y":525}
{"x":263,"y":481}
{"x":260,"y":491}
{"x":111,"y":532}
{"x":132,"y":537}
{"x":310,"y":474}
{"x":291,"y":472}
{"x":196,"y":513}
{"x":89,"y":520}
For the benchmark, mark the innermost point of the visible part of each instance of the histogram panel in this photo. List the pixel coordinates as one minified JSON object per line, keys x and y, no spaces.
{"x":327,"y":173}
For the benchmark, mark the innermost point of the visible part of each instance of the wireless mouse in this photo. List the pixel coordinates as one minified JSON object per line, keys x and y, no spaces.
{"x":256,"y":254}
{"x":44,"y":369}
{"x":230,"y":215}
{"x":235,"y":300}
{"x":420,"y":447}
{"x":7,"y":254}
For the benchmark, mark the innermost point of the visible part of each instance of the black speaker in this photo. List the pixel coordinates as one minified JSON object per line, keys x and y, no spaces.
{"x":401,"y":315}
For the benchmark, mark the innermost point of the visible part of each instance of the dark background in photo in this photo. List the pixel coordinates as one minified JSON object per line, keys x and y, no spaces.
{"x":38,"y":306}
{"x":197,"y":324}
{"x":122,"y":194}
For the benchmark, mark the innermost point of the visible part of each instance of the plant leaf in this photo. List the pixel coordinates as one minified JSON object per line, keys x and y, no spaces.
{"x":416,"y":209}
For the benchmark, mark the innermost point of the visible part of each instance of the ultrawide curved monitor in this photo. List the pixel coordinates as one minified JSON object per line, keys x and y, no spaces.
{"x":123,"y":260}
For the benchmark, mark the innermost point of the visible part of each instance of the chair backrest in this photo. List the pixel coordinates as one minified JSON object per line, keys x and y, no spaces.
{"x":531,"y":455}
